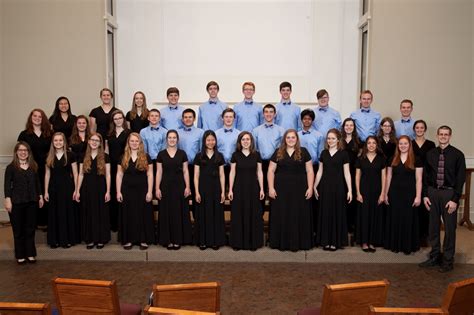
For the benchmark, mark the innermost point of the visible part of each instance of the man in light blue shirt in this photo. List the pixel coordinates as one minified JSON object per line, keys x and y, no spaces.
{"x":248,"y":114}
{"x":209,"y":115}
{"x":326,"y":117}
{"x":227,"y":139}
{"x":171,"y":114}
{"x":190,"y":141}
{"x":366,"y":119}
{"x":153,"y":136}
{"x":288,"y":113}
{"x":404,"y":126}
{"x":310,"y":138}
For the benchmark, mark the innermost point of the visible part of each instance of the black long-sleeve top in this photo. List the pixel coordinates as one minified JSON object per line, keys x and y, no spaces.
{"x":454,"y":170}
{"x":21,"y":185}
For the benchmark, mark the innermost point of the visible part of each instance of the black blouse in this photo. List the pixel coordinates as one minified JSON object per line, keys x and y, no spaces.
{"x":21,"y":185}
{"x":137,"y":124}
{"x":39,"y":146}
{"x":102,"y":120}
{"x":59,"y":125}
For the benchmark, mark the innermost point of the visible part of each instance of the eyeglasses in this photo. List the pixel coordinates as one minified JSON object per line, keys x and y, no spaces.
{"x":94,"y":140}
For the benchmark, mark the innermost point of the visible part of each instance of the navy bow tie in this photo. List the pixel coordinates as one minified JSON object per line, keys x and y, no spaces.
{"x":306,"y":132}
{"x":365,"y":110}
{"x":323,"y":109}
{"x":287,"y":103}
{"x":187,"y":129}
{"x":227,"y":130}
{"x":153,"y":128}
{"x":174,"y":108}
{"x":248,"y":103}
{"x":268,"y":126}
{"x":212,"y":102}
{"x":406,"y":121}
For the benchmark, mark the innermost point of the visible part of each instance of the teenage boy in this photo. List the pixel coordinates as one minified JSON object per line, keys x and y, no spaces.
{"x":209,"y":115}
{"x":367,"y":120}
{"x":404,"y":126}
{"x":171,"y":114}
{"x":248,"y":113}
{"x":227,"y":139}
{"x":310,"y":138}
{"x":153,"y":136}
{"x":288,"y":112}
{"x":325,"y":117}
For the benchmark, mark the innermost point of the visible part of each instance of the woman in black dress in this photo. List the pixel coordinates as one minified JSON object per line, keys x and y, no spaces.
{"x":352,"y":146}
{"x":115,"y":146}
{"x":22,"y":198}
{"x":93,"y":187}
{"x":370,"y":187}
{"x":60,"y":185}
{"x":290,"y":185}
{"x":62,"y":119}
{"x":100,"y":116}
{"x":421,"y":146}
{"x":134,"y":192}
{"x":38,"y":136}
{"x":79,"y":136}
{"x":137,"y":117}
{"x":172,"y":189}
{"x":387,"y":138}
{"x":246,"y":192}
{"x":209,"y":181}
{"x":335,"y":191}
{"x":403,"y":196}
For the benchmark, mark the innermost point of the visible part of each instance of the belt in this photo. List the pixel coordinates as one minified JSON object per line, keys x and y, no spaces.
{"x":444,"y":188}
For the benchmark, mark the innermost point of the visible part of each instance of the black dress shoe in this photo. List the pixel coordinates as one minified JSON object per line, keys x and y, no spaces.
{"x":100,"y":246}
{"x":143,"y":246}
{"x":21,"y":261}
{"x":54,"y":246}
{"x":367,"y":250}
{"x":445,"y":268}
{"x":127,"y":246}
{"x":430,"y":262}
{"x":372,"y":249}
{"x":90,"y":246}
{"x":176,"y":246}
{"x":202,"y":247}
{"x":327,"y":247}
{"x":169,"y":247}
{"x":215,"y":247}
{"x":31,"y":260}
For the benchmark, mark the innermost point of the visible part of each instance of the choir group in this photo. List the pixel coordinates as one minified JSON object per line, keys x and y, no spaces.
{"x":85,"y":177}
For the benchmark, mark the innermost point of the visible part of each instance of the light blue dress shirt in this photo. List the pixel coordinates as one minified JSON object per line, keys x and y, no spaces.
{"x":313,"y":141}
{"x":226,"y":142}
{"x":367,"y":122}
{"x":326,"y":118}
{"x":171,"y":116}
{"x":190,"y":141}
{"x":210,"y":115}
{"x":248,"y":115}
{"x":267,"y":138}
{"x":154,"y":140}
{"x":288,"y":115}
{"x":404,"y":127}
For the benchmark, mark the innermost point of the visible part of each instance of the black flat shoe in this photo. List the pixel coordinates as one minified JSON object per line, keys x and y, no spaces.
{"x":372,"y":249}
{"x":31,"y":260}
{"x":143,"y":246}
{"x":176,"y":246}
{"x":100,"y":246}
{"x":90,"y":246}
{"x":215,"y":247}
{"x":53,"y":246}
{"x":127,"y":246}
{"x":21,"y":261}
{"x":327,"y":247}
{"x":170,"y":247}
{"x":202,"y":247}
{"x":332,"y":248}
{"x":366,"y":250}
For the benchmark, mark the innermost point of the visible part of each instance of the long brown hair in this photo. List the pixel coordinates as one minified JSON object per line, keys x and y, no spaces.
{"x":355,"y":136}
{"x":52,"y":150}
{"x":45,"y":124}
{"x":142,"y":161}
{"x":75,"y":138}
{"x":410,"y":162}
{"x":283,"y":146}
{"x":365,"y":150}
{"x":134,"y":112}
{"x":337,"y":133}
{"x":239,"y":142}
{"x":112,"y":122}
{"x":16,"y":161}
{"x":100,"y":156}
{"x":392,"y":136}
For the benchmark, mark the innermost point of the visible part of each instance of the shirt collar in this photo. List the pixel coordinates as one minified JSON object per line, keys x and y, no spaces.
{"x":365,"y":110}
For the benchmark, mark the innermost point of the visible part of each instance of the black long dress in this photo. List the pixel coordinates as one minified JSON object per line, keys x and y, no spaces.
{"x":352,"y":149}
{"x":424,"y":214}
{"x":246,"y":225}
{"x":402,"y":227}
{"x":63,"y":227}
{"x":209,"y":228}
{"x":79,"y":149}
{"x":388,"y":148}
{"x":370,"y":215}
{"x":174,"y":221}
{"x":332,"y":222}
{"x":95,"y":211}
{"x":137,"y":123}
{"x":39,"y":148}
{"x":64,"y":126}
{"x":136,"y":215}
{"x":116,"y":146}
{"x":102,"y":120}
{"x":291,"y":216}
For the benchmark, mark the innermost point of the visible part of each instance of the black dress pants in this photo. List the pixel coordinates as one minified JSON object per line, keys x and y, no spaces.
{"x":23,"y":220}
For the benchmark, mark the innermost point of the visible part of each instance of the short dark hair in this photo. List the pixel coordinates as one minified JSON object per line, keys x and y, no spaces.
{"x":285,"y":84}
{"x":211,"y":83}
{"x":445,"y":127}
{"x":188,"y":110}
{"x":172,"y":90}
{"x":269,"y":106}
{"x":407,"y":101}
{"x":307,"y":112}
{"x":227,"y":110}
{"x":154,"y":110}
{"x":420,"y":121}
{"x":321,"y":93}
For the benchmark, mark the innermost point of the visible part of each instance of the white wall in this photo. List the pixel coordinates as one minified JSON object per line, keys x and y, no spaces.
{"x":312,"y":44}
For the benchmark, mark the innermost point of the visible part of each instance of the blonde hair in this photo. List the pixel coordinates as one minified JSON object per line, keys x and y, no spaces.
{"x":282,"y":149}
{"x":52,"y":150}
{"x":100,"y":157}
{"x":142,"y":161}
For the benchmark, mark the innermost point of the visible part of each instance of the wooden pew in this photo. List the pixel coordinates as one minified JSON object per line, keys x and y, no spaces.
{"x":351,"y":298}
{"x":173,"y":311}
{"x":459,"y":298}
{"x":80,"y":296}
{"x":406,"y":311}
{"x":7,"y":308}
{"x":467,"y":201}
{"x":204,"y":297}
